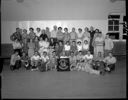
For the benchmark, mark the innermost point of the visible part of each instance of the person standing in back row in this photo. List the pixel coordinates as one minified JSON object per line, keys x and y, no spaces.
{"x":92,"y":32}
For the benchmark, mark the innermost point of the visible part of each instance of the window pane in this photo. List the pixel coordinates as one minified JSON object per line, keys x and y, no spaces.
{"x":116,"y":28}
{"x":116,"y":22}
{"x":110,"y":22}
{"x":110,"y":28}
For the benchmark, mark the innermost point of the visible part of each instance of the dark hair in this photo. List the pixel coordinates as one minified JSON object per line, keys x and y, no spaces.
{"x":31,"y":28}
{"x":80,"y":51}
{"x":65,"y":28}
{"x":16,"y":51}
{"x":80,"y":29}
{"x":59,"y":28}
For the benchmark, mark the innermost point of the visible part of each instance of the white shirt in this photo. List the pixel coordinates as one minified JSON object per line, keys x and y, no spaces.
{"x":35,"y":57}
{"x":110,"y":60}
{"x":45,"y":59}
{"x":88,"y":57}
{"x":38,"y":34}
{"x":85,"y":46}
{"x":80,"y":35}
{"x":16,"y":45}
{"x":67,"y":47}
{"x":54,"y":34}
{"x":108,"y":44}
{"x":43,"y":44}
{"x":79,"y":47}
{"x":99,"y":41}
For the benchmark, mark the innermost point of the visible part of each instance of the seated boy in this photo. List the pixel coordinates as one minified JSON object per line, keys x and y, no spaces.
{"x":110,"y":62}
{"x":15,"y":62}
{"x":52,"y":63}
{"x":44,"y":61}
{"x":80,"y":61}
{"x":98,"y":63}
{"x":72,"y":59}
{"x":35,"y":61}
{"x":25,"y":60}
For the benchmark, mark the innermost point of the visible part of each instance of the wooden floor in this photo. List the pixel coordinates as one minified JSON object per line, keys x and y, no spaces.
{"x":28,"y":84}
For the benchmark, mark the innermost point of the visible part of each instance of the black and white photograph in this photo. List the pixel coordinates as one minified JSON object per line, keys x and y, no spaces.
{"x":63,"y":49}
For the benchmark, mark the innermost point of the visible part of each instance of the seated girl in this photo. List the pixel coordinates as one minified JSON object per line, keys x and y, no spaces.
{"x":25,"y":60}
{"x":67,"y":48}
{"x":15,"y":62}
{"x":44,"y":61}
{"x":35,"y":61}
{"x":110,"y":62}
{"x":72,"y":59}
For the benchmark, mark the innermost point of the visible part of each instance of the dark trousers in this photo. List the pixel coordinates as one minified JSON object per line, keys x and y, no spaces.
{"x":112,"y":67}
{"x":91,"y":48}
{"x":16,"y":66}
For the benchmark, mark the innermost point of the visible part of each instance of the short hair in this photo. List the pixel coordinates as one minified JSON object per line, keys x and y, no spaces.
{"x":80,"y":51}
{"x":79,"y":29}
{"x":59,"y":28}
{"x":31,"y":28}
{"x":65,"y":28}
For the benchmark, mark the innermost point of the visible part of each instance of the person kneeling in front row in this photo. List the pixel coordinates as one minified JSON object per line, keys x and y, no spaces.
{"x":15,"y":62}
{"x":110,"y":62}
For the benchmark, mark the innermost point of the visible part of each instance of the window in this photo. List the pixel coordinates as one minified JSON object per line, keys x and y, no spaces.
{"x":113,"y":26}
{"x":125,"y":28}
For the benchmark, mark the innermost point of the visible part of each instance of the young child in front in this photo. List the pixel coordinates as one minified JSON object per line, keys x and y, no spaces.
{"x":35,"y":61}
{"x":15,"y":62}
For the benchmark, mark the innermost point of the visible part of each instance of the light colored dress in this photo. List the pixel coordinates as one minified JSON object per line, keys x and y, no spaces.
{"x":31,"y":47}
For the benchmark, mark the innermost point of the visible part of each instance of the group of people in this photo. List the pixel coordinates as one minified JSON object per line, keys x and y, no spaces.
{"x":87,"y":50}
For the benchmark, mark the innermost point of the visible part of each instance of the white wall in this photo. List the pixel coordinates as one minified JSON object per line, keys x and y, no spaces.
{"x":70,"y":13}
{"x":9,"y":27}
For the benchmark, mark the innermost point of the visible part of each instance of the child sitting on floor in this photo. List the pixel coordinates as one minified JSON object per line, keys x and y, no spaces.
{"x":72,"y":59}
{"x":44,"y":61}
{"x":80,"y":61}
{"x":25,"y":60}
{"x":35,"y":61}
{"x":15,"y":62}
{"x":110,"y":62}
{"x":52,"y":63}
